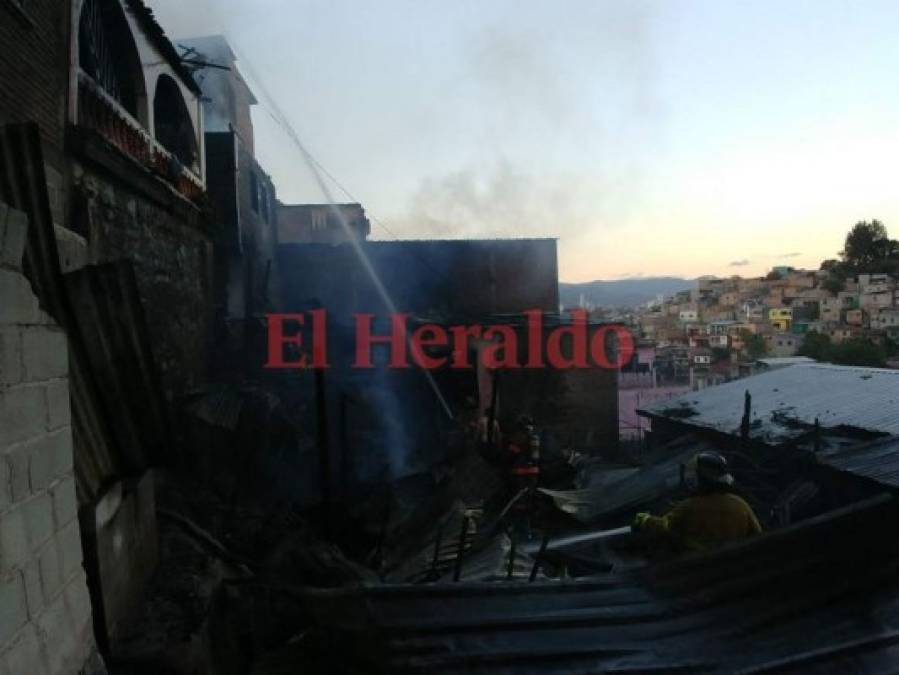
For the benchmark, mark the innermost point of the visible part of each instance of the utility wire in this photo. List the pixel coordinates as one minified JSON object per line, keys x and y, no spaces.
{"x":314,"y":165}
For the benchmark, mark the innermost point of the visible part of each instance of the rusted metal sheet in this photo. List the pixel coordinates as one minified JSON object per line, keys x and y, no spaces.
{"x":109,"y":321}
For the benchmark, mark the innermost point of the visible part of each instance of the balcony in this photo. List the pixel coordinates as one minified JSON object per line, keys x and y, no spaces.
{"x":100,"y":112}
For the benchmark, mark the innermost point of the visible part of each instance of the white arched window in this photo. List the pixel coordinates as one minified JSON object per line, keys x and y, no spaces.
{"x":108,"y":55}
{"x":173,"y":127}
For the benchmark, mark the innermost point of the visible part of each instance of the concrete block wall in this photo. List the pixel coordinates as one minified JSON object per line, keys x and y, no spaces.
{"x":45,"y":610}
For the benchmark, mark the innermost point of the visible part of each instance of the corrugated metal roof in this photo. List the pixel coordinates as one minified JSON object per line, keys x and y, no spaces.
{"x":778,"y":361}
{"x":877,"y":460}
{"x":821,"y":597}
{"x":863,"y":398}
{"x":622,"y":491}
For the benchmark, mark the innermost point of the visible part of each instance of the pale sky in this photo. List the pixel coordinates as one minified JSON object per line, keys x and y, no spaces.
{"x":651,"y":138}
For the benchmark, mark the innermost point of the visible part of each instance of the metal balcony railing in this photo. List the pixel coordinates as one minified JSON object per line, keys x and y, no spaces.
{"x":99,"y":111}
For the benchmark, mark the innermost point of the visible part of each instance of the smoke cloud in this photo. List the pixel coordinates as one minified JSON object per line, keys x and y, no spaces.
{"x":540,"y":101}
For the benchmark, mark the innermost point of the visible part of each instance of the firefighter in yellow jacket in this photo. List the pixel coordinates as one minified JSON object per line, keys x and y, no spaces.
{"x":712,"y":517}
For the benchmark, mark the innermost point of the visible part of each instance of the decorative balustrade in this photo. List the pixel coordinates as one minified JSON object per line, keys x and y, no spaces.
{"x":99,"y":111}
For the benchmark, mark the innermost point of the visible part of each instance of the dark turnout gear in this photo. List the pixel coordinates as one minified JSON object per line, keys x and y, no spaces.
{"x":523,"y":452}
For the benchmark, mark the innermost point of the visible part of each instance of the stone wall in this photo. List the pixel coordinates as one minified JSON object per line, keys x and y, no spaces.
{"x":45,"y":610}
{"x":134,"y":216}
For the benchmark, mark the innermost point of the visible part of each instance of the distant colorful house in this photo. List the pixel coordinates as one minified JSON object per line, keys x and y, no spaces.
{"x":780,"y":318}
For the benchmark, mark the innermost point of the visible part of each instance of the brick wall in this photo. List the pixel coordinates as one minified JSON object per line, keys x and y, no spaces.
{"x":34,"y":68}
{"x":45,"y":611}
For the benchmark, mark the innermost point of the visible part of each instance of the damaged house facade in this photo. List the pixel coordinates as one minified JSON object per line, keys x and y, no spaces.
{"x":138,"y":188}
{"x":244,"y":203}
{"x":445,"y":282}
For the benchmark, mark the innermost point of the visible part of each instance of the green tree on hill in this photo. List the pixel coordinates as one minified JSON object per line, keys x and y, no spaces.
{"x":858,"y":352}
{"x":756,"y":346}
{"x":868,"y":248}
{"x":815,"y":346}
{"x":854,"y":352}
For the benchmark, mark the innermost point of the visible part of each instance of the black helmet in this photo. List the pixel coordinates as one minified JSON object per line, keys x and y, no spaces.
{"x":524,"y":421}
{"x":711,"y":467}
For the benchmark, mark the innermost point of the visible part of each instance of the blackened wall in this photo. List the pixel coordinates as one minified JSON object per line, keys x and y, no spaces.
{"x":452,"y":277}
{"x":258,"y":226}
{"x":246,"y":282}
{"x":132,"y":215}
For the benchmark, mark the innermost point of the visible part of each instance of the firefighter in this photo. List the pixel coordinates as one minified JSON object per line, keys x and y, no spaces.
{"x":522,"y":454}
{"x":488,"y":443}
{"x":712,"y":517}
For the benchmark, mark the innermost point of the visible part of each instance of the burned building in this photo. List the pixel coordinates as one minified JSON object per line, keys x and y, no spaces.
{"x":244,"y":199}
{"x":490,"y":283}
{"x":454,"y":277}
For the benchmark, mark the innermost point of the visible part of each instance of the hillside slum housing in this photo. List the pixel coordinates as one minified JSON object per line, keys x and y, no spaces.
{"x":170,"y":505}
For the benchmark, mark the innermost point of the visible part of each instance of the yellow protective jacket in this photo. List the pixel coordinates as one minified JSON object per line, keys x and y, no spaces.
{"x":706,"y":521}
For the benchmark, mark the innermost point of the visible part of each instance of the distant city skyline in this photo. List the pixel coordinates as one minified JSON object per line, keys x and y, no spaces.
{"x":652,"y":138}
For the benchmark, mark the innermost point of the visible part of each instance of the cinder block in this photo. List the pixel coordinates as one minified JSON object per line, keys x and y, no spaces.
{"x":14,"y":548}
{"x":79,"y":600}
{"x":10,"y":357}
{"x":25,"y":655}
{"x":64,"y":448}
{"x":15,"y":609}
{"x":15,"y":235}
{"x":23,"y":412}
{"x":18,"y":460}
{"x":45,"y":354}
{"x":51,"y":571}
{"x":4,"y":208}
{"x":18,"y":304}
{"x":54,"y":627}
{"x":5,"y":484}
{"x":58,"y":405}
{"x":38,"y":519}
{"x":31,"y":574}
{"x":70,"y":555}
{"x":65,"y":503}
{"x":65,"y":629}
{"x":47,"y":453}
